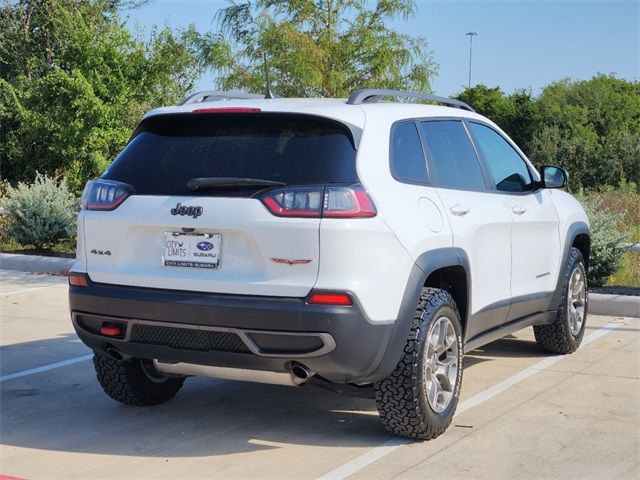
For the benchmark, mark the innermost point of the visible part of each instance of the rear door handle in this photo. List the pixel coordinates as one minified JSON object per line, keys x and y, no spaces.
{"x":518,"y":210}
{"x":459,"y":210}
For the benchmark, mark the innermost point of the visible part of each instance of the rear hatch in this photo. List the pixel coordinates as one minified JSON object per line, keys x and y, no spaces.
{"x":194,"y":215}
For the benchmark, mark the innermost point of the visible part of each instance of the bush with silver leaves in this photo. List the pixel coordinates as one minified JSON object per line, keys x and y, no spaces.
{"x":42,"y":213}
{"x":607,"y":240}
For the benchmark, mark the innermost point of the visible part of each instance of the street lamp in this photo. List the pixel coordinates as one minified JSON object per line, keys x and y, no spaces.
{"x":470,"y":35}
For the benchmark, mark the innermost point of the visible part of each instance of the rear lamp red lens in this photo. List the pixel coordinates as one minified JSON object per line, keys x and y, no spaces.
{"x":110,"y":330}
{"x":330,"y":298}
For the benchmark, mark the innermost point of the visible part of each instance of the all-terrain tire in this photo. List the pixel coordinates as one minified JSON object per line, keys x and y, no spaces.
{"x":401,"y":397}
{"x":134,"y":382}
{"x":557,"y":337}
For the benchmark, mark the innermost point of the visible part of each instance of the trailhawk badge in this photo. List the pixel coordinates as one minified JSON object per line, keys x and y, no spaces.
{"x":180,"y":209}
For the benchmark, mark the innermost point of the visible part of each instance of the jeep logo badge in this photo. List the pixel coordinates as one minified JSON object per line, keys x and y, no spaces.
{"x":180,"y":209}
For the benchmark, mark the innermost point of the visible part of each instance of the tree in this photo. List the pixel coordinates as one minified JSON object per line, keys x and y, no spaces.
{"x":516,"y":114}
{"x":579,"y":154}
{"x":591,"y":127}
{"x":595,"y":125}
{"x":74,"y":83}
{"x":522,"y":121}
{"x":316,"y":47}
{"x":487,"y":101}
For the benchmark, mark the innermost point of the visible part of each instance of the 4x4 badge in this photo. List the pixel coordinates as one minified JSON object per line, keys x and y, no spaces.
{"x":180,"y":209}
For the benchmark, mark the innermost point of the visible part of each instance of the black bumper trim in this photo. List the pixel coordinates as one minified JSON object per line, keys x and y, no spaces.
{"x":355,"y":350}
{"x":327,"y":343}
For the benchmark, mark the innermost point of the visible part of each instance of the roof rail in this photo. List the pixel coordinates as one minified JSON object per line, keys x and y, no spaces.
{"x":373,"y":95}
{"x":215,"y":95}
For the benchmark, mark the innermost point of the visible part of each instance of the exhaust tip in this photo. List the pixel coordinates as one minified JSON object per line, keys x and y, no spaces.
{"x":115,"y":354}
{"x":300,"y":374}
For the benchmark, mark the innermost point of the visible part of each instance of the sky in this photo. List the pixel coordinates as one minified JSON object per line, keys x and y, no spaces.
{"x":520,"y":44}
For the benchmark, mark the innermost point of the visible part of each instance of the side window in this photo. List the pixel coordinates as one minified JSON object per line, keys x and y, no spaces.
{"x":407,"y":158}
{"x":506,"y":166}
{"x":451,"y":155}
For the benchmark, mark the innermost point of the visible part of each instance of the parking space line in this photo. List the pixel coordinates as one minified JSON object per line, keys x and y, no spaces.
{"x":376,"y":453}
{"x":45,"y":368}
{"x":33,"y":289}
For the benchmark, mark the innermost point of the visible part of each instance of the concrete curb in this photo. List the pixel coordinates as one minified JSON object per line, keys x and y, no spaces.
{"x":614,"y":305}
{"x":34,"y":263}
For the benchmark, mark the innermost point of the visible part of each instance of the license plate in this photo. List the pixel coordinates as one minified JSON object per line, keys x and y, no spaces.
{"x":191,"y":250}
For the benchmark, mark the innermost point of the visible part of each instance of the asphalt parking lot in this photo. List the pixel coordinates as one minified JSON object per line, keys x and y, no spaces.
{"x":522,"y":414}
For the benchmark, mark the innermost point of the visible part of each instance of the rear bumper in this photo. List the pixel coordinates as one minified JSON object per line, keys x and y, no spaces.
{"x":249,"y":332}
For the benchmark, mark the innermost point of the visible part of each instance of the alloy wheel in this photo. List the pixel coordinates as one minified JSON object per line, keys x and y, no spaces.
{"x":441,"y":363}
{"x":576,"y":300}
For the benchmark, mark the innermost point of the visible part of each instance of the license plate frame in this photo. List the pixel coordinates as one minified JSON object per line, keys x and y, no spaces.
{"x":192,"y":250}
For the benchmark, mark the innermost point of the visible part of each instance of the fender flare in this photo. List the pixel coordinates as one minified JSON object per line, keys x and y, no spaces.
{"x":429,"y":262}
{"x":575,"y":229}
{"x":425,"y":265}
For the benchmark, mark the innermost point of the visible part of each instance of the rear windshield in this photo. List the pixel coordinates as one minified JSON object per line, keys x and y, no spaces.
{"x":169,"y":150}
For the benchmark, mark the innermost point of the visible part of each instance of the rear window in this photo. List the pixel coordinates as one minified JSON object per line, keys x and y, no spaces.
{"x":169,"y":150}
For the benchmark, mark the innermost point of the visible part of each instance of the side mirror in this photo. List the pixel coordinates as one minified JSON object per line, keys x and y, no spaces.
{"x":554,"y":177}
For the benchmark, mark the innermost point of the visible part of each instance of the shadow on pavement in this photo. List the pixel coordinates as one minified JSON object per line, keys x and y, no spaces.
{"x":507,"y":347}
{"x":21,"y":356}
{"x":65,"y":410}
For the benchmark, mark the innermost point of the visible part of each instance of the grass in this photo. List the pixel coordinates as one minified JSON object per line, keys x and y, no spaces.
{"x":626,"y":203}
{"x":61,"y":249}
{"x":628,"y":273}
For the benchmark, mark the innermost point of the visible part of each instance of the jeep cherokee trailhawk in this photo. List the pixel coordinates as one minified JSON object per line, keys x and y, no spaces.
{"x":360,"y":245}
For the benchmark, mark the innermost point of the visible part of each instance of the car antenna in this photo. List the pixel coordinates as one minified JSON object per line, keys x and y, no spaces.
{"x":268,"y":93}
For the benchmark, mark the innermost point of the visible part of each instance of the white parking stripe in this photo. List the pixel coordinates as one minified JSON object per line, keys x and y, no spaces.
{"x":376,"y":453}
{"x":24,"y":290}
{"x":44,"y":368}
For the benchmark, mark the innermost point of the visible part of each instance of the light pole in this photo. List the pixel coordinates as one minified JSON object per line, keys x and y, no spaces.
{"x":470,"y":35}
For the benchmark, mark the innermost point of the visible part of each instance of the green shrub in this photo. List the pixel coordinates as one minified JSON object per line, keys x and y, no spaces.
{"x":607,"y":240}
{"x":626,"y":202}
{"x":42,"y":213}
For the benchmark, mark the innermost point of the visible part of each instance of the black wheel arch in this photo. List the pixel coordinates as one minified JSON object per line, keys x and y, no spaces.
{"x":578,"y":235}
{"x":449,"y":269}
{"x":440,"y":268}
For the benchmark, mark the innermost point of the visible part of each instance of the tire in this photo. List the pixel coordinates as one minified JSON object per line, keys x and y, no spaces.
{"x":134,"y":382}
{"x":561,"y":336}
{"x":403,"y":403}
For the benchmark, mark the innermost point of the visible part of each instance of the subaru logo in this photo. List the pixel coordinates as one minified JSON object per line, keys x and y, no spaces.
{"x":204,"y":246}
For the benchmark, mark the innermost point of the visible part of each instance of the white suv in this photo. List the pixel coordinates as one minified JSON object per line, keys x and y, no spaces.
{"x":359,"y":245}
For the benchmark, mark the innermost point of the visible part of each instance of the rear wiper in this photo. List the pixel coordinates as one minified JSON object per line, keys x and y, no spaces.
{"x":205,"y":183}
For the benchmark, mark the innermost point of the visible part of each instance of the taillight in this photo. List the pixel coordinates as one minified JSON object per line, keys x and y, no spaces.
{"x":104,"y":194}
{"x":317,"y":202}
{"x":347,"y":202}
{"x":294,"y":202}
